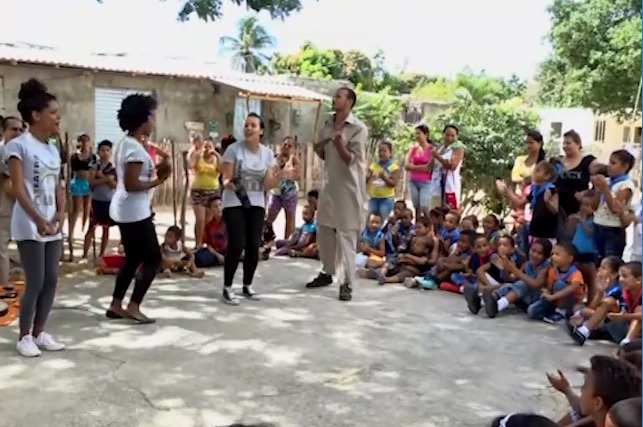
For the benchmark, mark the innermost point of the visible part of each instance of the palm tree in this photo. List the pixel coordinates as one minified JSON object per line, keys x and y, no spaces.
{"x":249,"y":46}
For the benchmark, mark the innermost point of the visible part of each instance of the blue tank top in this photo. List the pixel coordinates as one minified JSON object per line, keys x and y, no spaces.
{"x":582,"y":240}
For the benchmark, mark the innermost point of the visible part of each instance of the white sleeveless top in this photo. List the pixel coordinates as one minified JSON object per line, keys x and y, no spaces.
{"x":452,"y":178}
{"x":174,"y":254}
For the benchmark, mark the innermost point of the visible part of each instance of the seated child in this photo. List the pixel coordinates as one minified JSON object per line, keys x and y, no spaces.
{"x":626,"y":413}
{"x":437,"y":218}
{"x":449,"y":232}
{"x":371,"y":244}
{"x":522,"y":420}
{"x":460,"y":281}
{"x":175,"y":256}
{"x":581,"y":227}
{"x":608,"y":286}
{"x":561,"y":384}
{"x":302,"y":238}
{"x":409,"y":264}
{"x":312,"y":198}
{"x":215,"y":238}
{"x":445,"y":266}
{"x":469,"y":222}
{"x":387,"y":228}
{"x":491,"y":275}
{"x":268,"y":238}
{"x":530,"y":278}
{"x":542,"y":199}
{"x":491,"y":228}
{"x":402,"y":230}
{"x":112,"y":262}
{"x":619,"y":315}
{"x":564,"y":289}
{"x":607,"y":381}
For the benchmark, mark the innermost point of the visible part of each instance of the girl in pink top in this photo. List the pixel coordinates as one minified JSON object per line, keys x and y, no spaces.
{"x":417,"y":165}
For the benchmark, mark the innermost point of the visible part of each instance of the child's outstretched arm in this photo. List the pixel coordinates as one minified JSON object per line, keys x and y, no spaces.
{"x":188,"y":253}
{"x":481,"y":274}
{"x":516,"y":200}
{"x":533,"y":282}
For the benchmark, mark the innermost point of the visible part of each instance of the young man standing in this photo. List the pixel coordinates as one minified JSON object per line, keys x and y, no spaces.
{"x":342,"y":200}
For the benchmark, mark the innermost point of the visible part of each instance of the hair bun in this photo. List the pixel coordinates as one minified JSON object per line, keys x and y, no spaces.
{"x":30,"y":88}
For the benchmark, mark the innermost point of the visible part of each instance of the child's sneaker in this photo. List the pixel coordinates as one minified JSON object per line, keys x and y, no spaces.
{"x":426,"y":283}
{"x":490,"y":303}
{"x":473,"y":299}
{"x":553,"y":318}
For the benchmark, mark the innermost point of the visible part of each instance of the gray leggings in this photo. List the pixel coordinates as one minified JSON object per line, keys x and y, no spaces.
{"x":40,"y":262}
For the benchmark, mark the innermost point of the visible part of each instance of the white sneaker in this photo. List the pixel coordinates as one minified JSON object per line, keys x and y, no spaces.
{"x":48,"y":343}
{"x":27,"y":347}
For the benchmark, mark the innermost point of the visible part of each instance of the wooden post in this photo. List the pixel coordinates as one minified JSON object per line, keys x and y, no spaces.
{"x":174,"y":179}
{"x":186,"y":188}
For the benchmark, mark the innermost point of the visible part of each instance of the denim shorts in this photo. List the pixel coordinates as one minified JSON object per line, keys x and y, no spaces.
{"x":381,"y":205}
{"x":610,"y":241}
{"x":420,"y":193}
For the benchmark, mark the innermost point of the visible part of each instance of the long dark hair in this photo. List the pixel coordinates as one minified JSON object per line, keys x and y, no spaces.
{"x":538,"y":137}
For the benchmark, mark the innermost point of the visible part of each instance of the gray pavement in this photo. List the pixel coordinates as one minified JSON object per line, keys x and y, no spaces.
{"x":297,"y":358}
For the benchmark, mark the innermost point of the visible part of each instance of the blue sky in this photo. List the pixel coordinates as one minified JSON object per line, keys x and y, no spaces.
{"x":438,"y":37}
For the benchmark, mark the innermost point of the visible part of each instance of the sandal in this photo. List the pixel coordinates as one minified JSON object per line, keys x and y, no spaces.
{"x":141,"y":318}
{"x":111,"y":314}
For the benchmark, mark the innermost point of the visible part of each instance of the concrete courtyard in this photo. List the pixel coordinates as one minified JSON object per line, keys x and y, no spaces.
{"x":298,"y":358}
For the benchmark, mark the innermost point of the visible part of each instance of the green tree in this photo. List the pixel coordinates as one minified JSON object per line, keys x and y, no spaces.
{"x":249,"y":46}
{"x":491,"y":134}
{"x":481,"y":87}
{"x":381,"y":112}
{"x":596,"y":58}
{"x":309,"y":61}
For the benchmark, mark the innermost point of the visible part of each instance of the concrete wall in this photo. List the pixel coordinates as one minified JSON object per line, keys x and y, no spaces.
{"x":579,"y":119}
{"x":180,"y":100}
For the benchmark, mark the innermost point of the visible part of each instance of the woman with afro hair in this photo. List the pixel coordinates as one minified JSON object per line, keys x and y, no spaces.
{"x":130,"y":207}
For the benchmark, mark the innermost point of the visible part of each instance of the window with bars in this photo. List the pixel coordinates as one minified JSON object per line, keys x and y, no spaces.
{"x":599,"y":131}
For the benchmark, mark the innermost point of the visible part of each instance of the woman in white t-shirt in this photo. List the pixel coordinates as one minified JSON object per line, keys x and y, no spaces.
{"x":34,"y":169}
{"x":130,"y":207}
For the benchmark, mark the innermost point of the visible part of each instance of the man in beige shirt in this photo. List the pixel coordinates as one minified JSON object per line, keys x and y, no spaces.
{"x":341,"y":212}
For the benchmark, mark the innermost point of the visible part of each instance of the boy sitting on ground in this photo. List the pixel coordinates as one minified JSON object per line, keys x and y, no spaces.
{"x":175,"y":256}
{"x":461,"y":281}
{"x":370,"y":247}
{"x":302,"y":238}
{"x":215,"y":238}
{"x":447,"y":265}
{"x":620,"y":315}
{"x":564,"y":289}
{"x":409,"y":264}
{"x":449,"y":233}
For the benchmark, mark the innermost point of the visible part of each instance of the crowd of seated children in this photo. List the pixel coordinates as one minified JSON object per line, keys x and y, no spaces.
{"x":528,"y":281}
{"x":175,"y":256}
{"x":445,"y":266}
{"x":616,"y":310}
{"x":302,"y":242}
{"x":607,"y":381}
{"x":215,"y":238}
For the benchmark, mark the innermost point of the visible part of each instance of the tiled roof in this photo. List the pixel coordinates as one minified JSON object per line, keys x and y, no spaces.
{"x":269,"y":86}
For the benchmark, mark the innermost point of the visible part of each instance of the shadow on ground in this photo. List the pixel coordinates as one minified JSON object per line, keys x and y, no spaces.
{"x":297,"y":358}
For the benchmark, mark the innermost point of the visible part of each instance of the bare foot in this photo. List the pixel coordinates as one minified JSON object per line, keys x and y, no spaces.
{"x":197,"y":273}
{"x":167,"y":273}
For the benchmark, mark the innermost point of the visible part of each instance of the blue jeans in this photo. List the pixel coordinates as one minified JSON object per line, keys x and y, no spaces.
{"x":542,"y":308}
{"x":610,"y":241}
{"x":525,"y":294}
{"x":203,"y":258}
{"x":420,"y":193}
{"x":460,"y":279}
{"x":384,"y":206}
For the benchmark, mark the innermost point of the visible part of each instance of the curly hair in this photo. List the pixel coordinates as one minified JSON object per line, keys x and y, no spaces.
{"x":135,"y":111}
{"x":33,"y":97}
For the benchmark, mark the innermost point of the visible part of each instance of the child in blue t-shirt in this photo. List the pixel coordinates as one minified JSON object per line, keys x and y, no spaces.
{"x":301,"y":241}
{"x":581,"y":227}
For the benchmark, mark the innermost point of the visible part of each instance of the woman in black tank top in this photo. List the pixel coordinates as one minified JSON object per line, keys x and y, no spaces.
{"x":574,"y":173}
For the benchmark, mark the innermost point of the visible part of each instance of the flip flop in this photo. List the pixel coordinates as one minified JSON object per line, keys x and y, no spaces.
{"x":111,"y":314}
{"x":141,"y":319}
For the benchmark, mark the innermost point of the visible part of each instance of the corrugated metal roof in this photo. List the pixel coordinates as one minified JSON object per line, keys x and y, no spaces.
{"x":121,"y":63}
{"x":275,"y":86}
{"x":269,"y":86}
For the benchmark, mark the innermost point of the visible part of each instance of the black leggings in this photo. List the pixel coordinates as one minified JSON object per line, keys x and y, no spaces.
{"x":141,"y":249}
{"x":244,"y":227}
